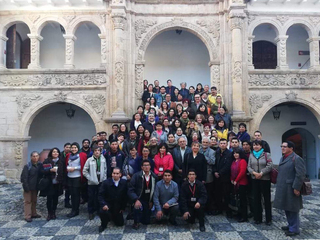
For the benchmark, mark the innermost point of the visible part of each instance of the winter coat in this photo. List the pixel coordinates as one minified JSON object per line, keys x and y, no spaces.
{"x":111,"y":195}
{"x":241,"y":178}
{"x":186,"y":195}
{"x":260,"y":165}
{"x":210,"y":156}
{"x":166,"y":162}
{"x":90,"y":170}
{"x":83,"y":159}
{"x":161,"y":138}
{"x":223,"y":164}
{"x":30,"y":176}
{"x":291,"y":174}
{"x":119,"y":155}
{"x":199,"y":164}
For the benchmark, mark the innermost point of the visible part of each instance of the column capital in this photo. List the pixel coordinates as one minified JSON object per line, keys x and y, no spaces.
{"x":211,"y":63}
{"x":102,"y":36}
{"x":236,"y":23}
{"x":3,"y":38}
{"x":34,"y":36}
{"x":281,"y":37}
{"x":70,"y":36}
{"x":251,"y":37}
{"x":311,"y":39}
{"x":119,"y":20}
{"x":140,"y":63}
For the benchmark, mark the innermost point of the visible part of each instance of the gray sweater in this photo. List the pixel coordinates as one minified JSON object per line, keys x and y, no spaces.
{"x":163,"y":195}
{"x":260,"y":165}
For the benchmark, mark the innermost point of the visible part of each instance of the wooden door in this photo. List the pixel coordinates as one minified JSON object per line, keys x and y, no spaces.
{"x":11,"y":46}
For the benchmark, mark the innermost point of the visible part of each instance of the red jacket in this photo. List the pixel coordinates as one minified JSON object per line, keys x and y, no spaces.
{"x":83,"y":159}
{"x":241,"y":178}
{"x":166,"y":163}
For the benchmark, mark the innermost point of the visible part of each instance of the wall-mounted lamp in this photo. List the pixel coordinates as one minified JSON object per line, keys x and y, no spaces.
{"x":70,"y":112}
{"x":276,"y":114}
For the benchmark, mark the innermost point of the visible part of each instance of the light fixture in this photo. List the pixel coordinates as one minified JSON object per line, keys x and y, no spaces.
{"x":276,"y":114}
{"x":70,"y":112}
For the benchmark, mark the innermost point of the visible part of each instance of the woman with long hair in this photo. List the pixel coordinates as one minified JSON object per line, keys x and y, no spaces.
{"x":143,"y":141}
{"x":222,"y":130}
{"x":140,"y":131}
{"x":124,"y":130}
{"x":179,"y":109}
{"x":191,"y":128}
{"x":171,"y":143}
{"x":176,"y":124}
{"x":203,"y":110}
{"x":53,"y":169}
{"x":163,"y":110}
{"x":199,"y":122}
{"x":136,"y":121}
{"x":199,"y":88}
{"x":171,"y":115}
{"x":153,"y":104}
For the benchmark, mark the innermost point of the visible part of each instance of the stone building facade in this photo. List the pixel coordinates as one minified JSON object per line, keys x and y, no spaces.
{"x":111,"y":93}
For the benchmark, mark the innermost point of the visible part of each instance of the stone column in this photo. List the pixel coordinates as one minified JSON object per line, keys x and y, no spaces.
{"x":314,"y":52}
{"x":215,"y":75}
{"x":103,"y":50}
{"x":34,"y":51}
{"x":3,"y":40}
{"x":282,"y":52}
{"x":236,"y":24}
{"x":69,"y":62}
{"x":250,"y":53}
{"x":139,"y":68}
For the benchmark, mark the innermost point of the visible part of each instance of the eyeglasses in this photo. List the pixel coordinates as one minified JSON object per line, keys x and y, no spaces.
{"x":283,"y":146}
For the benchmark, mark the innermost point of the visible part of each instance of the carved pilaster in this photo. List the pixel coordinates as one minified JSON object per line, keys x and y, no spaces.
{"x":314,"y":52}
{"x":282,"y":52}
{"x":34,"y":51}
{"x":215,"y":76}
{"x":3,"y":40}
{"x":139,"y":68}
{"x":18,"y":148}
{"x":69,"y":62}
{"x":103,"y":50}
{"x":250,"y":56}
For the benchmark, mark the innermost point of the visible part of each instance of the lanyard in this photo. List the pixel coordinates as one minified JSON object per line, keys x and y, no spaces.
{"x":147,"y":182}
{"x":194,"y":189}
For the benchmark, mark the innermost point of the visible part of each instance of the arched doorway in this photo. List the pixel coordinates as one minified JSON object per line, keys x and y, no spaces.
{"x":300,"y":118}
{"x":53,"y":128}
{"x":177,"y":55}
{"x":304,"y":146}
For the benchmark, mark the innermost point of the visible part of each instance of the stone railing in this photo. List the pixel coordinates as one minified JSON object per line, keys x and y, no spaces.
{"x":46,"y":78}
{"x":302,"y":79}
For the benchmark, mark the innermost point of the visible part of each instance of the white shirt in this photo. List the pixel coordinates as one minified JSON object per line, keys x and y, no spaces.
{"x":116,"y":183}
{"x":147,"y":177}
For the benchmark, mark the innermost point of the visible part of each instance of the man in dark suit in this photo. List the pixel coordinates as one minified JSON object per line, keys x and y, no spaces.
{"x":112,"y":199}
{"x":170,"y":89}
{"x":178,"y":156}
{"x":169,"y":102}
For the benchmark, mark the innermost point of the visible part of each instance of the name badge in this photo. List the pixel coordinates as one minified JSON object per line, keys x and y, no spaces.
{"x":147,"y":191}
{"x":161,"y":169}
{"x":193,"y":199}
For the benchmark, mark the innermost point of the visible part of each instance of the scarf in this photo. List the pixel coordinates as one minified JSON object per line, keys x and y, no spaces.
{"x":257,"y":154}
{"x":73,"y":157}
{"x":98,"y":162}
{"x":55,"y":160}
{"x":172,"y":145}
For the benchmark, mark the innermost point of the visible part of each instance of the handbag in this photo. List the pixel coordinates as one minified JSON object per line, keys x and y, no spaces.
{"x":273,"y":172}
{"x":306,"y":188}
{"x":43,"y":183}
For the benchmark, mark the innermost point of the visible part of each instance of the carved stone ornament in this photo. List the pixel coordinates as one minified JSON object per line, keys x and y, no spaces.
{"x":117,"y":1}
{"x":237,"y":71}
{"x":213,"y":27}
{"x":141,"y":27}
{"x":291,"y":95}
{"x":215,"y":76}
{"x":256,"y":101}
{"x":104,"y":49}
{"x":69,"y":48}
{"x":237,"y":1}
{"x":292,"y":80}
{"x":251,"y":18}
{"x":34,"y":18}
{"x":139,"y":80}
{"x":119,"y":20}
{"x":97,"y":102}
{"x":18,"y":148}
{"x":53,"y":80}
{"x":24,"y":101}
{"x":236,"y":23}
{"x":60,"y":96}
{"x":69,"y":18}
{"x":119,"y":72}
{"x":316,"y":98}
{"x":283,"y":19}
{"x":314,"y":20}
{"x":103,"y":17}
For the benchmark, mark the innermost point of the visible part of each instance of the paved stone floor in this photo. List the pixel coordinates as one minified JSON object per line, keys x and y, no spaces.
{"x":12,"y":225}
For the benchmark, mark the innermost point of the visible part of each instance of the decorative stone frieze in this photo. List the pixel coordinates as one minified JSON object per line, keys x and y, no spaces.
{"x":97,"y":102}
{"x":24,"y":101}
{"x":60,"y":96}
{"x":119,"y":75}
{"x":103,"y":50}
{"x":291,"y":95}
{"x":295,"y":80}
{"x":69,"y":18}
{"x":236,"y":23}
{"x":237,"y":1}
{"x":249,"y":51}
{"x":256,"y":101}
{"x":141,"y":26}
{"x":283,"y":19}
{"x":45,"y":79}
{"x":316,"y":98}
{"x":314,"y":20}
{"x":18,"y":148}
{"x":69,"y":50}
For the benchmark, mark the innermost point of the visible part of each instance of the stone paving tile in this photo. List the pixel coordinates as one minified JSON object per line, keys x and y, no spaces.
{"x":47,"y":231}
{"x":157,"y":236}
{"x":228,"y":235}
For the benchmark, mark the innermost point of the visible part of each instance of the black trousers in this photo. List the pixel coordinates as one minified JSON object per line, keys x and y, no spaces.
{"x":222,"y":195}
{"x":84,"y":191}
{"x":52,"y":199}
{"x":67,"y":195}
{"x":93,"y":203}
{"x":250,"y":194}
{"x":210,"y":194}
{"x":142,"y":214}
{"x":261,"y":187}
{"x":196,"y":213}
{"x":74,"y":185}
{"x":112,"y":214}
{"x":172,"y":212}
{"x":243,"y":201}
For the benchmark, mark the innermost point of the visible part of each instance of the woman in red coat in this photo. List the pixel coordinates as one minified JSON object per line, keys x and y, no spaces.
{"x":240,"y":181}
{"x":163,"y":161}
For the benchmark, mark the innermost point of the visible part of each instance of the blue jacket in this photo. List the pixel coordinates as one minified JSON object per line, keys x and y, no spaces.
{"x":243,"y":136}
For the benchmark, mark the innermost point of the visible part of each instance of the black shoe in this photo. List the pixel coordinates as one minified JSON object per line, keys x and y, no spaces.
{"x":28,"y":219}
{"x":36,"y":216}
{"x":242,"y":220}
{"x":250,"y":215}
{"x":291,"y":234}
{"x":202,"y":228}
{"x":269,"y":223}
{"x":91,"y":216}
{"x":216,"y":212}
{"x":135,"y":226}
{"x":229,"y":215}
{"x":257,"y":222}
{"x":285,"y":228}
{"x":72,"y":214}
{"x":102,"y":228}
{"x":129,"y":216}
{"x":67,"y":205}
{"x":173,"y":222}
{"x":210,"y":213}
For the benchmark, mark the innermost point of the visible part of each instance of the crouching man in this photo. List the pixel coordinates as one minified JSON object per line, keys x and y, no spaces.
{"x":165,"y":198}
{"x":113,"y":200}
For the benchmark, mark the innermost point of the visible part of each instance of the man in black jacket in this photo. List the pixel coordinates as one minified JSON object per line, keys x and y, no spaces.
{"x":112,"y":199}
{"x":132,"y":141}
{"x":140,"y":191}
{"x":114,"y":157}
{"x":265,"y":145}
{"x":193,"y":199}
{"x":222,"y":170}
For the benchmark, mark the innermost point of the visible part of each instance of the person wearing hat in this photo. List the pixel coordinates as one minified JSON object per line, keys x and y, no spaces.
{"x":75,"y":162}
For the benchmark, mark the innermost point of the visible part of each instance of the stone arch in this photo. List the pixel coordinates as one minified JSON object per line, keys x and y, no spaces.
{"x":78,"y":21}
{"x":43,"y":21}
{"x":276,"y":26}
{"x":179,"y":24}
{"x":29,"y":117}
{"x":11,"y":21}
{"x":255,"y":124}
{"x":305,"y":24}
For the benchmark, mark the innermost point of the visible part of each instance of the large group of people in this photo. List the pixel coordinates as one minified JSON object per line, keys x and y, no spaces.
{"x":179,"y":157}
